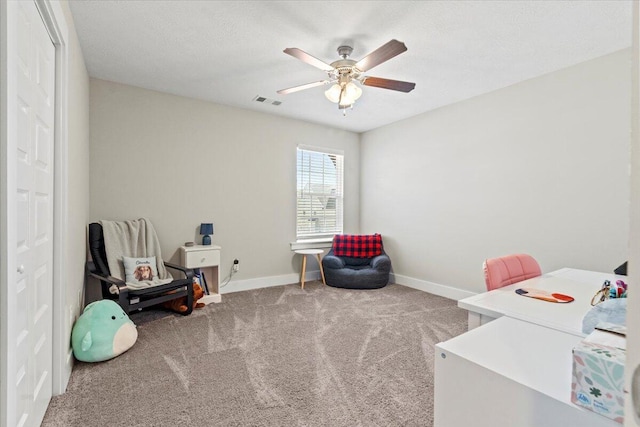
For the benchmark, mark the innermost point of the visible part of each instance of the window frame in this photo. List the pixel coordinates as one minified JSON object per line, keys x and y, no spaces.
{"x":301,"y":236}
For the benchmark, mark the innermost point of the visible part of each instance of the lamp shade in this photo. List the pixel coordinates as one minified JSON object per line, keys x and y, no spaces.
{"x":333,"y":93}
{"x":351,"y":93}
{"x":206,"y":228}
{"x":343,"y":94}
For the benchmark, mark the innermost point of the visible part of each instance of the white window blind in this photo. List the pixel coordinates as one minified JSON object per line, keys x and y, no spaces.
{"x":319,"y":193}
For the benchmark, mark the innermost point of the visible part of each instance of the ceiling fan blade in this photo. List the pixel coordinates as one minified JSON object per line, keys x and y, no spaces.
{"x":389,"y":84}
{"x":381,"y":54}
{"x":303,"y":87}
{"x":305,"y":57}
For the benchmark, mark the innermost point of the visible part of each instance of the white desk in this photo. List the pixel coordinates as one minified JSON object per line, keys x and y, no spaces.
{"x":508,"y":373}
{"x":580,"y":284}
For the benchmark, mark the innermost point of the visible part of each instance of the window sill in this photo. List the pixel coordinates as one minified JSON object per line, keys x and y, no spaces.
{"x":312,"y":244}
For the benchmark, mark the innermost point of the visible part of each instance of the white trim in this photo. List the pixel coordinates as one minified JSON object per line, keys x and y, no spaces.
{"x":323,"y":150}
{"x":267,"y":282}
{"x":311,"y":244}
{"x":431,"y":287}
{"x":633,"y":316}
{"x":56,"y":24}
{"x":8,"y":87}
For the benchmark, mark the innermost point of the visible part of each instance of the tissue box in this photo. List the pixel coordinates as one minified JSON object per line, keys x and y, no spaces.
{"x":598,"y":372}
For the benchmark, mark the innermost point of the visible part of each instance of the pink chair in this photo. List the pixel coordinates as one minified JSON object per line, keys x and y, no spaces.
{"x":506,"y":270}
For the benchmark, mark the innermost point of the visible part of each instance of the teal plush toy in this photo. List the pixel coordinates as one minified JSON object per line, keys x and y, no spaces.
{"x":102,"y":332}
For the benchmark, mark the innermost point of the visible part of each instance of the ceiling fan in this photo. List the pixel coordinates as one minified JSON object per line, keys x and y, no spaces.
{"x":344,"y":72}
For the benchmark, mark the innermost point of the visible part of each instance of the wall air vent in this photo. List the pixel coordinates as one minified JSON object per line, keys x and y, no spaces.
{"x":264,"y":100}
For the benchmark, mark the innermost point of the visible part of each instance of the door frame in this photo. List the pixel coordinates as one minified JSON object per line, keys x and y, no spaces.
{"x":56,"y":24}
{"x":631,"y":417}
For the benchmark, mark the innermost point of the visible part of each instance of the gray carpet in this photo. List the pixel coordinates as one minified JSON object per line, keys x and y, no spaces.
{"x":279,"y":356}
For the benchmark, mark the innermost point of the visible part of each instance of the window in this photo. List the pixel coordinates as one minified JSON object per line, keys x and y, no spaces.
{"x":319,"y":193}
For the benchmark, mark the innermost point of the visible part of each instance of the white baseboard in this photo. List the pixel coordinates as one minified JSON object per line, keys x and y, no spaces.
{"x":211,"y":298}
{"x":267,"y":282}
{"x":287,"y":279}
{"x":431,"y":287}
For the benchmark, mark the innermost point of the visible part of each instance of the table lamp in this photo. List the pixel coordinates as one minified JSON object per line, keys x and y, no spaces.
{"x":206,"y":228}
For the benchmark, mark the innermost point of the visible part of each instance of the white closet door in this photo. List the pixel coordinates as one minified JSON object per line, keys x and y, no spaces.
{"x":32,"y":292}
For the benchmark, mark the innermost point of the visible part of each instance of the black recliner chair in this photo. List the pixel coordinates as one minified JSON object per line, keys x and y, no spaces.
{"x":134,"y":299}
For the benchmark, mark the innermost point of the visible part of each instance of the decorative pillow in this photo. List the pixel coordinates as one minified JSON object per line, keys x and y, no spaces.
{"x":357,"y":246}
{"x":139,"y":269}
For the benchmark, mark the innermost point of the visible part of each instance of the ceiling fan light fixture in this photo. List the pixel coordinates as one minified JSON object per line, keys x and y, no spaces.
{"x":333,"y":93}
{"x":352,"y":92}
{"x":344,"y":95}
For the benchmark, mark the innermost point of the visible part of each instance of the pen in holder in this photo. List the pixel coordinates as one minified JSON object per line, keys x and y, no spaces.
{"x":610,"y":290}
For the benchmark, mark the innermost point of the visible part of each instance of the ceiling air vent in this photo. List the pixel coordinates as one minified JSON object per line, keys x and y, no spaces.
{"x":264,"y":100}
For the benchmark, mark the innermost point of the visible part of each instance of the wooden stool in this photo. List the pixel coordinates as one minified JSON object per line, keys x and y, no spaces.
{"x":304,"y":253}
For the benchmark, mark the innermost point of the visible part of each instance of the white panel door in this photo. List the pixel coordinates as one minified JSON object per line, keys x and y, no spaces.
{"x":33,"y":289}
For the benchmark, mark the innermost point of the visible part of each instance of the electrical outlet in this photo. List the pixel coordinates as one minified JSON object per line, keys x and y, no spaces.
{"x":236,"y":265}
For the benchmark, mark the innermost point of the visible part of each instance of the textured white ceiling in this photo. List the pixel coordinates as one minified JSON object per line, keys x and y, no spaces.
{"x":228,"y":52}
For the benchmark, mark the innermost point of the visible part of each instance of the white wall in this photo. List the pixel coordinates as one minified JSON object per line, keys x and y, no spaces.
{"x":181,"y":161}
{"x":538,"y":167}
{"x":77,"y":203}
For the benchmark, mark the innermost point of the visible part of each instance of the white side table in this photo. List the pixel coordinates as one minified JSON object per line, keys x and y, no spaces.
{"x":207,"y":259}
{"x":304,"y":253}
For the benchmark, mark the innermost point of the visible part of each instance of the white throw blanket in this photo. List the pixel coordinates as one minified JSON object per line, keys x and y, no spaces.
{"x":135,"y":239}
